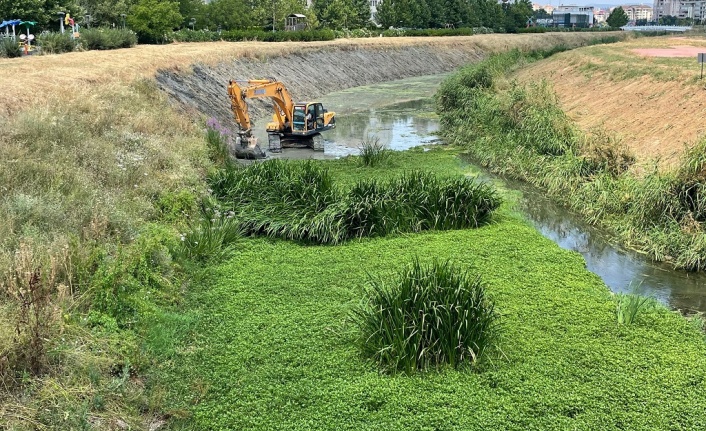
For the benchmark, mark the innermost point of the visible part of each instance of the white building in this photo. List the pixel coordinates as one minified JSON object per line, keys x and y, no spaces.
{"x":572,"y":16}
{"x":636,"y":12}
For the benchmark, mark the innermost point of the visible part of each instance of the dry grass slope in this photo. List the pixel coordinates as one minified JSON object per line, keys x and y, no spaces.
{"x":654,"y":105}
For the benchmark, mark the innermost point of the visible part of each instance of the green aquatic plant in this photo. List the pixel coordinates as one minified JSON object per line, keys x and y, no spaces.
{"x":630,"y":305}
{"x":373,"y":153}
{"x":299,"y":201}
{"x":429,"y":316}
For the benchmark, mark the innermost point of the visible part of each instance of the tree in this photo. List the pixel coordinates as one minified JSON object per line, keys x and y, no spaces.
{"x":153,"y":19}
{"x":44,"y":12}
{"x":517,"y":14}
{"x":617,"y":18}
{"x":106,"y":12}
{"x":541,"y":14}
{"x":229,"y":14}
{"x":192,"y":9}
{"x":361,"y":10}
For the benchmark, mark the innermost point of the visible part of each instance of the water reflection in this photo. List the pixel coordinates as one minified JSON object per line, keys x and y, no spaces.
{"x":622,"y":270}
{"x":399,"y":127}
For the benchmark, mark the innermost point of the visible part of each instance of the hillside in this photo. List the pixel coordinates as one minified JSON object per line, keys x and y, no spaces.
{"x":652,"y":102}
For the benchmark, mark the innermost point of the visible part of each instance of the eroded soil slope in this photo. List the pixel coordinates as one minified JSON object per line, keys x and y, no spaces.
{"x":655,"y":105}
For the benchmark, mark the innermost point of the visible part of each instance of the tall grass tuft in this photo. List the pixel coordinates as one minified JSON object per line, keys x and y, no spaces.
{"x":210,"y":237}
{"x":630,"y":305}
{"x":373,"y":153}
{"x":429,"y":316}
{"x":300,"y":201}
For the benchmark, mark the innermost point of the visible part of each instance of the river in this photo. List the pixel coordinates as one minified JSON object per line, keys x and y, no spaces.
{"x":400,"y":115}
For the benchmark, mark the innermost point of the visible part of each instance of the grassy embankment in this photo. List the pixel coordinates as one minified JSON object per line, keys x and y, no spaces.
{"x":98,"y":177}
{"x":265,"y":339}
{"x":519,"y":130}
{"x":649,"y":103}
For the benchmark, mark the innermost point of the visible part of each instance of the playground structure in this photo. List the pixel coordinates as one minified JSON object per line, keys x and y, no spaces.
{"x":25,"y":40}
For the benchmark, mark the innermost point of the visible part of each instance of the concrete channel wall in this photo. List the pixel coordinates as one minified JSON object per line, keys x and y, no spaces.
{"x":313,"y":72}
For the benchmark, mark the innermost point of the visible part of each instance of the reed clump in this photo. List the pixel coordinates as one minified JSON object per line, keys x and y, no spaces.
{"x":373,"y":153}
{"x":429,"y":316}
{"x":300,"y":201}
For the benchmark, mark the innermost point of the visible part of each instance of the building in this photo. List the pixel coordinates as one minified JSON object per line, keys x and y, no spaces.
{"x":547,"y":7}
{"x":572,"y":16}
{"x":601,"y":15}
{"x":694,"y":9}
{"x":374,"y":7}
{"x":636,"y":12}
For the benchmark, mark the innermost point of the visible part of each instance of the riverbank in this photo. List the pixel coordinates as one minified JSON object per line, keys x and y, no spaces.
{"x":646,"y":92}
{"x":271,"y":345}
{"x":519,"y":130}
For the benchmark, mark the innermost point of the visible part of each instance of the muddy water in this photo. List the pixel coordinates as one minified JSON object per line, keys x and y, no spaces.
{"x":622,"y":270}
{"x":400,"y":115}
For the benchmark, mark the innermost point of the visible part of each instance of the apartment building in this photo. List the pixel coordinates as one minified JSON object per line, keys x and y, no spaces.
{"x":694,"y":9}
{"x":636,"y":12}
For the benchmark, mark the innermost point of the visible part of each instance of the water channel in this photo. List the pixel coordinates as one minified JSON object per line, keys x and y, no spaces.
{"x":400,"y":115}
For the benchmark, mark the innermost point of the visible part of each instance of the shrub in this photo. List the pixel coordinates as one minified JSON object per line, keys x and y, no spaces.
{"x":10,"y":48}
{"x":373,"y":153}
{"x":217,"y":139}
{"x":108,"y":38}
{"x":430,"y":315}
{"x":124,"y":278}
{"x":56,"y":43}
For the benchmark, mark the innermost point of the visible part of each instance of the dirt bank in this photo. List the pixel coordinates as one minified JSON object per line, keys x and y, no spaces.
{"x":312,"y":70}
{"x":654,"y":105}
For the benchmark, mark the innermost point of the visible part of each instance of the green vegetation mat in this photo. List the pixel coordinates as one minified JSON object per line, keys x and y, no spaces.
{"x":264,"y":339}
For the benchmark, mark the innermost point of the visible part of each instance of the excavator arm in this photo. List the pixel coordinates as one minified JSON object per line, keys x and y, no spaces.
{"x":238,"y":91}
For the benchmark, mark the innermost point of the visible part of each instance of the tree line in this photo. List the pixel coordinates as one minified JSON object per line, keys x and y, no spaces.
{"x":152,"y":19}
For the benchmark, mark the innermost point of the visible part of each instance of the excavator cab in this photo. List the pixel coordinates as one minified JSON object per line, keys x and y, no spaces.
{"x":310,"y":118}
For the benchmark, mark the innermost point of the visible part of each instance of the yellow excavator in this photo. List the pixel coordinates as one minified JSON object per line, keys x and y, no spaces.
{"x":293,"y":124}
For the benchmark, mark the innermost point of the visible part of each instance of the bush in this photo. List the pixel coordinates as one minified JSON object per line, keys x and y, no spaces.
{"x":428,"y":316}
{"x":108,"y":38}
{"x":10,"y":48}
{"x":56,"y":43}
